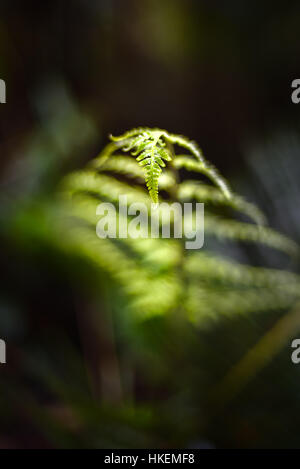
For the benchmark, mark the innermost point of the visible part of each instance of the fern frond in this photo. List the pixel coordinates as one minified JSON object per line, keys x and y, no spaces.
{"x":129,"y":134}
{"x":142,"y":266}
{"x":203,"y":165}
{"x":151,"y":147}
{"x":138,"y":266}
{"x":106,"y":188}
{"x":150,"y":153}
{"x":184,"y":161}
{"x":129,"y":167}
{"x":107,"y":151}
{"x":120,"y":164}
{"x":238,"y":231}
{"x":208,"y":194}
{"x":163,"y":253}
{"x":224,"y":287}
{"x":210,"y":268}
{"x":103,"y":185}
{"x":216,"y":303}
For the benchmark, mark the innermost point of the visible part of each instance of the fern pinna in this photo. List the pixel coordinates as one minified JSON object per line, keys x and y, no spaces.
{"x":152,"y":147}
{"x":154,"y":281}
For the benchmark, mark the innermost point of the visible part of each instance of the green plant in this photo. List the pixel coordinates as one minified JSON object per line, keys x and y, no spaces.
{"x":158,"y":275}
{"x":162,"y":298}
{"x":152,"y":147}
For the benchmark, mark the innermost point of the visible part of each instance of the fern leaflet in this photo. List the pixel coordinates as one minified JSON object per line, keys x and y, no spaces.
{"x":152,"y":147}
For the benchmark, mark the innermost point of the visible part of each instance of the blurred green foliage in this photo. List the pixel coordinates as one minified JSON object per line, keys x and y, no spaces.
{"x":144,"y":308}
{"x":140,"y":343}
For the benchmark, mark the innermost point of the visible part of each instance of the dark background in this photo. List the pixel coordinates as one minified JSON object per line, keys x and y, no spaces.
{"x":220,"y":73}
{"x":217,"y":72}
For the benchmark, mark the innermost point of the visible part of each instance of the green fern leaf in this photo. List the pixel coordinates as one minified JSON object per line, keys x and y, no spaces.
{"x":148,"y":148}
